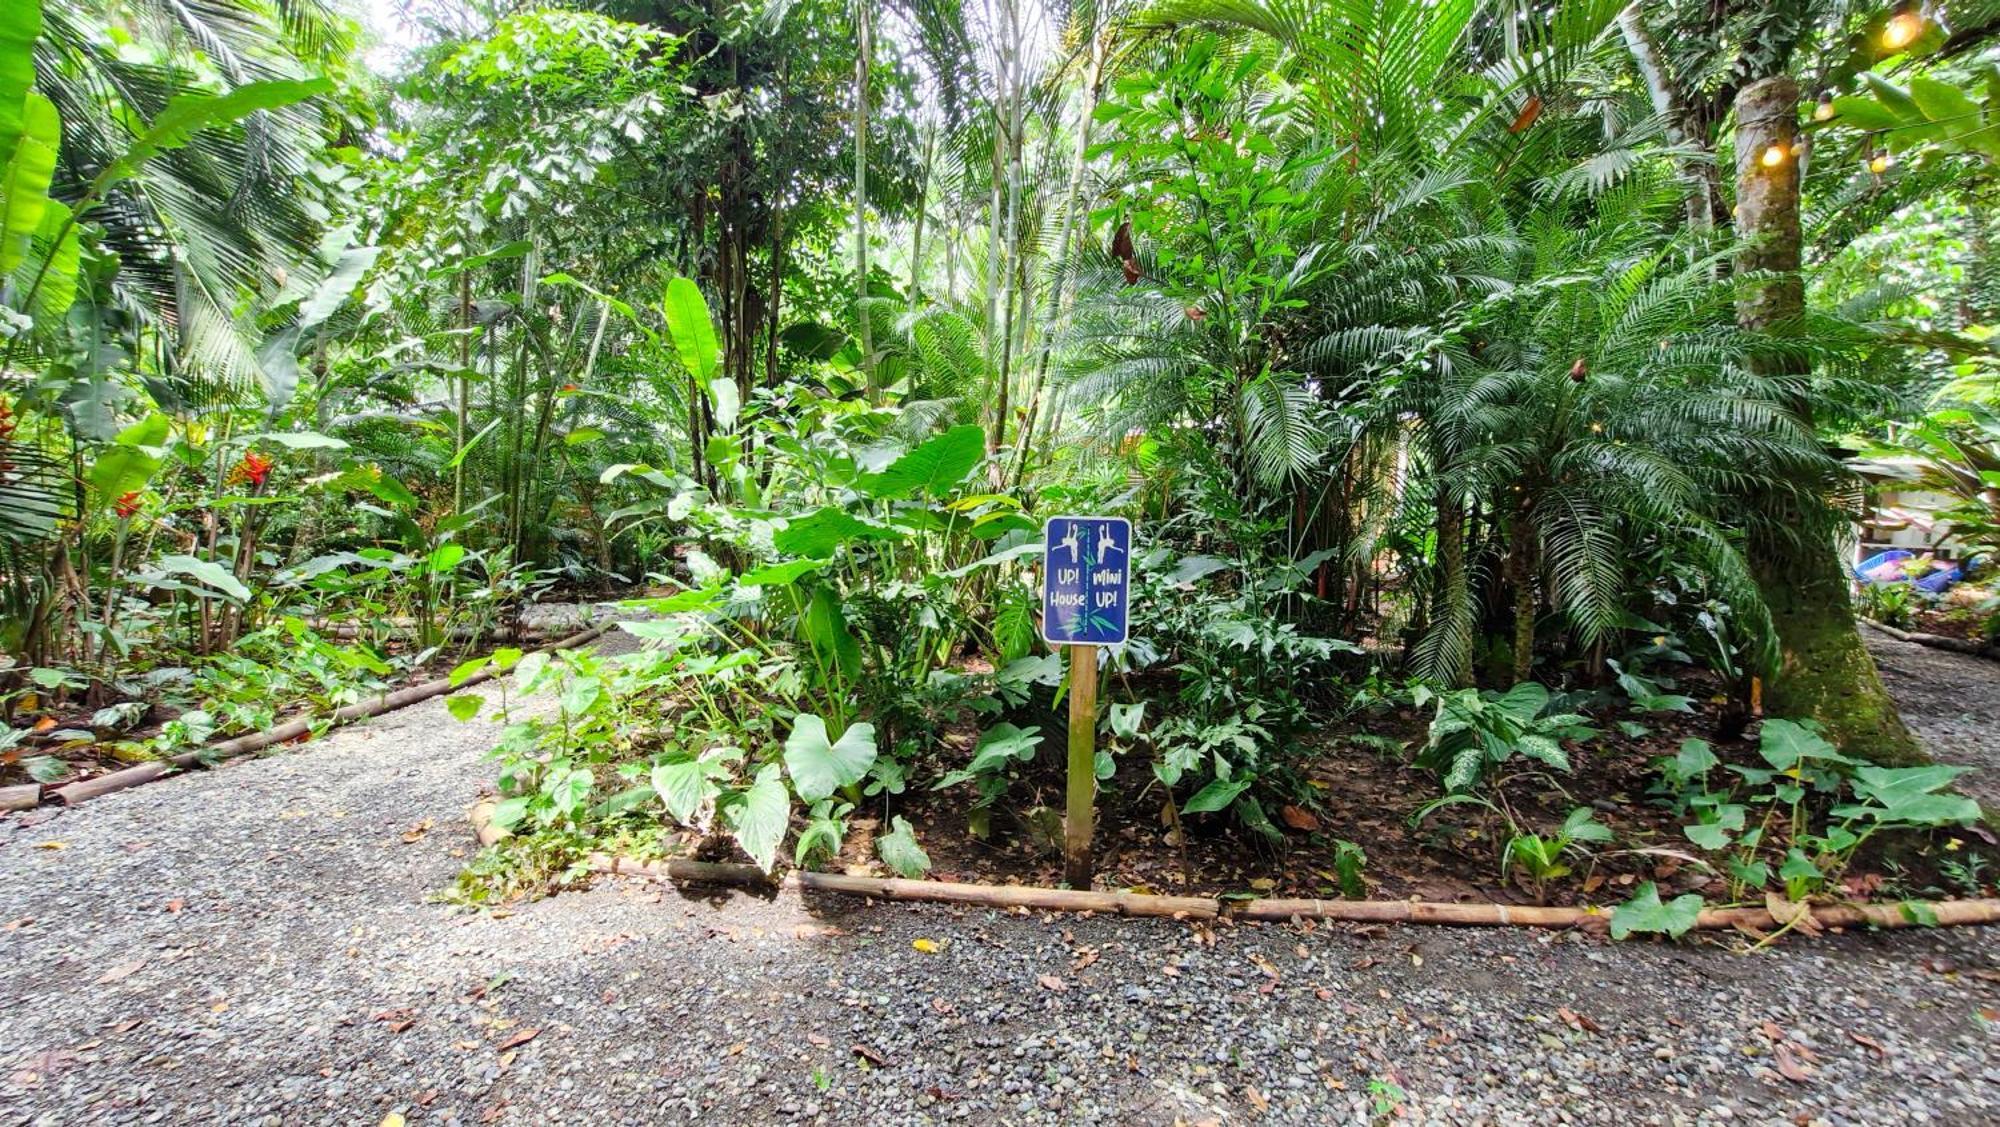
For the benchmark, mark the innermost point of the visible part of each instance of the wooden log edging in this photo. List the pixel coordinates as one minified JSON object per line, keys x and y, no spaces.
{"x":1941,"y":913}
{"x":217,"y":753}
{"x":1937,"y":641}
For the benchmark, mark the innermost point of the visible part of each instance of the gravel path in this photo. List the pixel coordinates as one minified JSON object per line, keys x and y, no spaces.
{"x":258,"y":944}
{"x":1952,"y":702}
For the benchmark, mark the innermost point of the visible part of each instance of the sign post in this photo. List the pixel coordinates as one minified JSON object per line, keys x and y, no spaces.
{"x":1086,"y":597}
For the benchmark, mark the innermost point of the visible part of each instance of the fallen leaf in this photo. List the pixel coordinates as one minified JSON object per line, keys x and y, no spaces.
{"x":1593,"y":882}
{"x":1298,"y":818}
{"x":52,"y":845}
{"x":1772,"y":1031}
{"x":493,"y":1113}
{"x":1256,"y":1099}
{"x":1577,"y":1021}
{"x":1790,"y":1068}
{"x":1084,"y":960}
{"x":870,"y":1055}
{"x":121,"y":971}
{"x":520,"y":1038}
{"x":927,"y":946}
{"x":174,"y":906}
{"x":818,"y":1039}
{"x":1795,"y":913}
{"x":16,"y":925}
{"x":416,"y":833}
{"x":127,"y":1026}
{"x":736,"y":1050}
{"x":1263,"y":884}
{"x":1051,"y":982}
{"x":1171,"y":971}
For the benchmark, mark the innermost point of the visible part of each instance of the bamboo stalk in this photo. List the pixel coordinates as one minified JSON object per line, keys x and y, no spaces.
{"x":134,"y":776}
{"x":27,"y":796}
{"x":896,"y":888}
{"x":1945,"y":913}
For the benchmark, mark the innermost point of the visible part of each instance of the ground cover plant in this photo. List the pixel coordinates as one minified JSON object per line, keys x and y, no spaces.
{"x":1485,"y":386}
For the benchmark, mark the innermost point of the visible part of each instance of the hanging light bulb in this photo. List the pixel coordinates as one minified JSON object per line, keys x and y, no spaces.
{"x":1774,"y":156}
{"x":1823,"y":111}
{"x":1903,"y":27}
{"x":1880,"y":162}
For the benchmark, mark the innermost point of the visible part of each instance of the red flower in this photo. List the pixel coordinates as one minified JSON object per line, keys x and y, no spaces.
{"x":254,"y":468}
{"x":569,"y":389}
{"x":127,"y":505}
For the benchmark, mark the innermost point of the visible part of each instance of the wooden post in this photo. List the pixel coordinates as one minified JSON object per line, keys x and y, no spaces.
{"x":1082,"y":766}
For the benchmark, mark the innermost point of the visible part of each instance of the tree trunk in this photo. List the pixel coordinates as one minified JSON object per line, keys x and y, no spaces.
{"x":1704,"y":191}
{"x":1521,"y":578}
{"x":864,"y":48}
{"x":1824,"y":672}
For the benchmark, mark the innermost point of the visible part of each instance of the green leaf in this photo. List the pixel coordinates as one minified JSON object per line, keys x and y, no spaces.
{"x":119,"y":470}
{"x":824,"y":627}
{"x":779,"y":574}
{"x":189,"y":114}
{"x":1707,"y":835}
{"x":1864,"y":113}
{"x":761,"y":817}
{"x":1217,"y":795}
{"x":208,"y":573}
{"x":818,"y":534}
{"x":510,"y":812}
{"x":933,"y":467}
{"x":1695,"y":759}
{"x":1784,"y":744}
{"x":465,"y":669}
{"x":684,"y":785}
{"x":899,"y":850}
{"x":20,"y":26}
{"x":464,"y":706}
{"x":1943,"y":102}
{"x":692,"y":330}
{"x":820,"y":766}
{"x":1644,"y":913}
{"x":728,"y":403}
{"x":25,"y":179}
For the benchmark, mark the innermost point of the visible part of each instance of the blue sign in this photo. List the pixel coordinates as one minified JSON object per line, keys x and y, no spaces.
{"x":1086,"y":580}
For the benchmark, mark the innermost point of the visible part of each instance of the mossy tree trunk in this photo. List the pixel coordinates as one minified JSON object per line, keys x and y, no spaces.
{"x":1824,"y":671}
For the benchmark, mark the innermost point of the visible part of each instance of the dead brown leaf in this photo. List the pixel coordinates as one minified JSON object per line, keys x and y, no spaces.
{"x":1789,"y":1067}
{"x":1088,"y":957}
{"x":1051,"y":982}
{"x":520,"y":1038}
{"x":1256,"y":1099}
{"x":121,"y":971}
{"x":1298,"y":818}
{"x":869,"y":1055}
{"x":1871,"y":1044}
{"x":1794,"y":913}
{"x":1577,"y":1021}
{"x":416,"y":833}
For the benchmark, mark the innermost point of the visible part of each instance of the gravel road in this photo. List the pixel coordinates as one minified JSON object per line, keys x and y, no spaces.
{"x":1952,"y":702}
{"x":259,"y":945}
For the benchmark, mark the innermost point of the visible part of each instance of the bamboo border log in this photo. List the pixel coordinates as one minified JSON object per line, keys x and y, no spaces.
{"x":217,"y":753}
{"x":1940,"y":913}
{"x":27,"y":796}
{"x":1937,"y":641}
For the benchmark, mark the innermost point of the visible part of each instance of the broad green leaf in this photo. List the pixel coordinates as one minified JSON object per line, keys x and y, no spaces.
{"x":208,"y":573}
{"x":1784,"y":744}
{"x":1644,"y":913}
{"x":1943,"y":102}
{"x":819,"y":766}
{"x":581,"y":694}
{"x":933,"y":467}
{"x":899,"y":850}
{"x":1707,"y":835}
{"x":119,"y":470}
{"x":57,"y":250}
{"x":761,"y":817}
{"x":333,"y":291}
{"x":515,"y":249}
{"x":1695,"y":759}
{"x":818,"y":534}
{"x":25,"y":178}
{"x":727,"y":403}
{"x":778,"y":574}
{"x":1217,"y":795}
{"x":446,"y":557}
{"x":1864,"y":113}
{"x":684,"y":785}
{"x":20,"y":26}
{"x":510,"y":812}
{"x":692,"y":330}
{"x":824,"y":627}
{"x":464,"y":706}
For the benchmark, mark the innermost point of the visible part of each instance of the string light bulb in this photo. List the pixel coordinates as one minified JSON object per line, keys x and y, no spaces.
{"x":1774,"y":156}
{"x":1880,"y":162}
{"x":1823,"y":111}
{"x":1903,"y":27}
